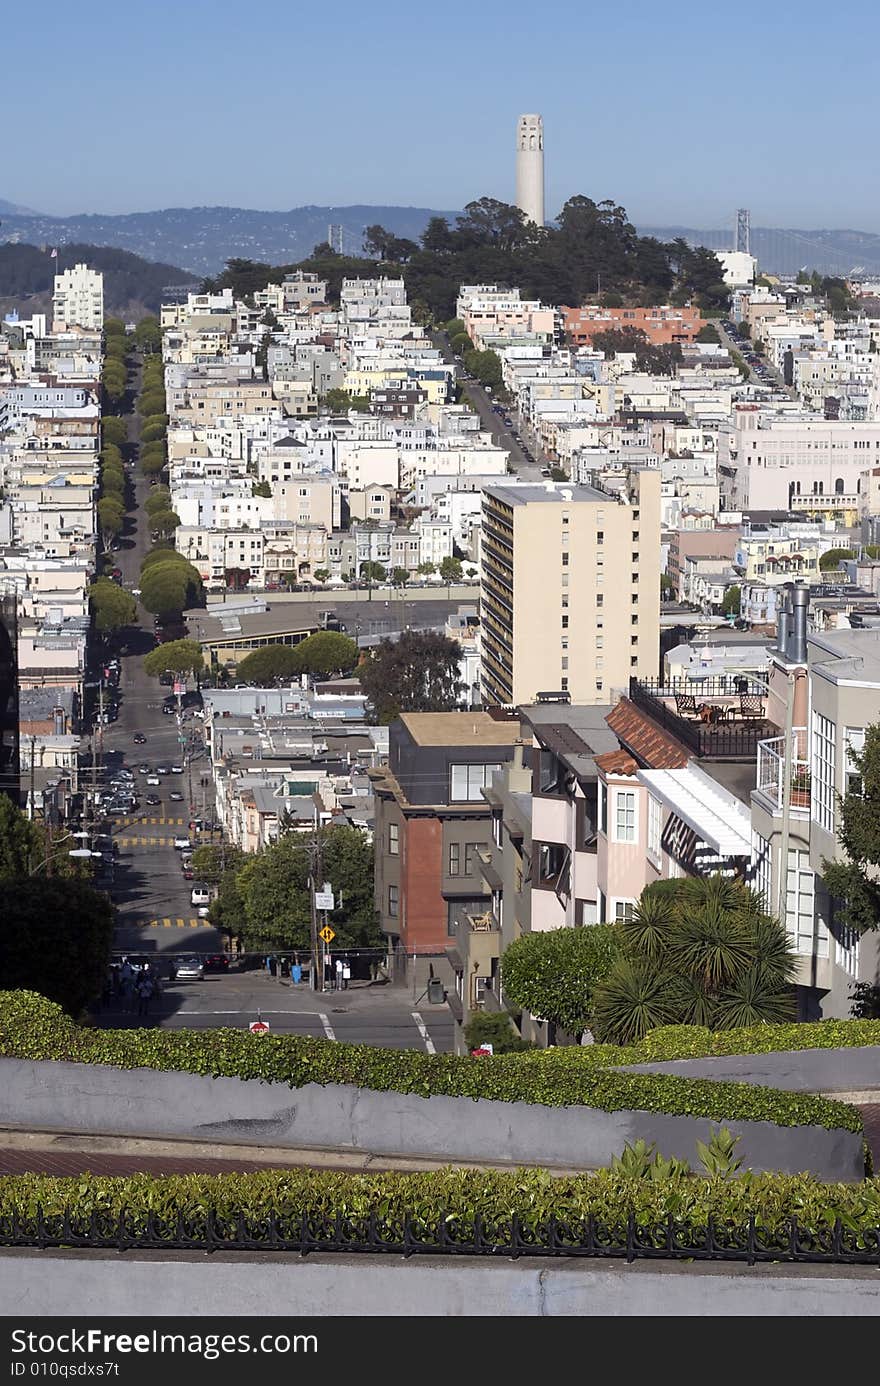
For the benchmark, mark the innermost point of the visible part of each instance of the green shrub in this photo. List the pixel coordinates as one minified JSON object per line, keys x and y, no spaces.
{"x":552,"y":1078}
{"x":695,"y":1042}
{"x":455,"y":1195}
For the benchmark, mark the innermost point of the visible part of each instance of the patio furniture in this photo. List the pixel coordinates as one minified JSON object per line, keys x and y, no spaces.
{"x":751,"y":707}
{"x":685,"y":703}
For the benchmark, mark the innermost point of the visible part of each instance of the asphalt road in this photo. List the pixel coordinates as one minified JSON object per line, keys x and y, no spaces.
{"x":492,"y":422}
{"x":155,"y":914}
{"x":391,"y":1017}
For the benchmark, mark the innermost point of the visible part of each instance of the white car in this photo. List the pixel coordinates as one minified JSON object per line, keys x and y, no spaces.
{"x":203,"y":911}
{"x":182,"y":844}
{"x":200,"y":895}
{"x":153,"y":779}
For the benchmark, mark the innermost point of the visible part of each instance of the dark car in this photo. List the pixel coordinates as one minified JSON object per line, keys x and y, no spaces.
{"x":187,"y":873}
{"x":216,"y":962}
{"x":139,"y":739}
{"x":153,"y":801}
{"x":166,"y":680}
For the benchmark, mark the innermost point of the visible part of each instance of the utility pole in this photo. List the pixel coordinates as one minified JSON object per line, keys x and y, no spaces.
{"x":316,"y":876}
{"x":32,"y":799}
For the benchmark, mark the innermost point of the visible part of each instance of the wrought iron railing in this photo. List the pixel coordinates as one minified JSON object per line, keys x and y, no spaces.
{"x":724,"y":741}
{"x":310,"y":1232}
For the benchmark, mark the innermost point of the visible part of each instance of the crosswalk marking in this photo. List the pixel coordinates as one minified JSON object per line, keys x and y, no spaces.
{"x":328,"y":1028}
{"x":154,"y":822}
{"x":132,"y":841}
{"x":423,"y":1031}
{"x":164,"y":923}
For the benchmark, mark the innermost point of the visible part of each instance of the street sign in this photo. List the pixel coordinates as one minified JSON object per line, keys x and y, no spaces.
{"x":259,"y":1027}
{"x":328,"y":934}
{"x":179,"y":687}
{"x":324,"y":900}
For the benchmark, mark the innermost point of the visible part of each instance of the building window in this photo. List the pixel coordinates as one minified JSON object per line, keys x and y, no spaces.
{"x":454,"y":858}
{"x":854,"y":740}
{"x":393,"y":839}
{"x":601,"y":806}
{"x":761,"y":869}
{"x":470,"y":851}
{"x":622,"y":910}
{"x":392,"y":901}
{"x":800,"y":907}
{"x":625,"y":815}
{"x":846,"y":950}
{"x":467,"y":782}
{"x":823,"y":771}
{"x":654,"y":822}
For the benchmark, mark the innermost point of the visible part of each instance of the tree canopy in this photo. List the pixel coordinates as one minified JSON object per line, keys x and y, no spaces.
{"x":56,"y":939}
{"x":267,"y":664}
{"x":417,"y":673}
{"x":175,"y":657}
{"x":266,"y":901}
{"x":112,"y":607}
{"x":326,"y":652}
{"x":554,"y":974}
{"x":113,"y":430}
{"x":591,"y":246}
{"x":854,"y":882}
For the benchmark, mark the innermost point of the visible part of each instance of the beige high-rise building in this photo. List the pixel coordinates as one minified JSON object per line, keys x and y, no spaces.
{"x":570,"y":590}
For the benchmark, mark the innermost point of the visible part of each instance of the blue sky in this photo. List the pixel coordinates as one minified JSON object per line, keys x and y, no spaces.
{"x":680,"y":112}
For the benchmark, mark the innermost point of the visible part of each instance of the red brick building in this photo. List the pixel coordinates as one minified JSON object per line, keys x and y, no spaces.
{"x":661,"y":326}
{"x":431,"y":820}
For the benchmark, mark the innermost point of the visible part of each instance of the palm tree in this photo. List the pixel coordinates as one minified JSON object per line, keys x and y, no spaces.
{"x":697,"y":951}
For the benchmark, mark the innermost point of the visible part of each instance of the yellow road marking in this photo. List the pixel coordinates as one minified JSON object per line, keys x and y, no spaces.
{"x":167,"y":923}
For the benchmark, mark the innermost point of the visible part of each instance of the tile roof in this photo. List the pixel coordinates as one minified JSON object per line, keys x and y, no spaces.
{"x":636,"y":731}
{"x":617,"y":763}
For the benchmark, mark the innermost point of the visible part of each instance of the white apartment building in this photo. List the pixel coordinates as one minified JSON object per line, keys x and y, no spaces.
{"x":808,"y":464}
{"x":78,"y":300}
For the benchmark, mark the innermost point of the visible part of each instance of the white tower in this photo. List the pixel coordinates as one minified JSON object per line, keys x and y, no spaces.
{"x":530,"y":167}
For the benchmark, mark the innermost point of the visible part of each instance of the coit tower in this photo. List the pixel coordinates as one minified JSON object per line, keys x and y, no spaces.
{"x":530,"y":167}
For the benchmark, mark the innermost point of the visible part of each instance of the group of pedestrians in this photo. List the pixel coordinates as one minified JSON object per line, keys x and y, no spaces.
{"x":134,"y":987}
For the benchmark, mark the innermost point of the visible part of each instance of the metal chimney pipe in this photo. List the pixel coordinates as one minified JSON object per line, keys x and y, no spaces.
{"x":783,"y":619}
{"x":800,"y":604}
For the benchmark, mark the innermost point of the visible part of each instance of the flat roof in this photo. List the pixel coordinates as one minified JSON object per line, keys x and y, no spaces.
{"x":558,"y":492}
{"x":460,"y":729}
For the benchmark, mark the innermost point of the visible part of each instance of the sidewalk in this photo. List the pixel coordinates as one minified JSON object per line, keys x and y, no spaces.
{"x":47,"y":1152}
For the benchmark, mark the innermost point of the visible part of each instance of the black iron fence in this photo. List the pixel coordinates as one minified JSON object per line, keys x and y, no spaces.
{"x":716,"y":741}
{"x":308,"y":1232}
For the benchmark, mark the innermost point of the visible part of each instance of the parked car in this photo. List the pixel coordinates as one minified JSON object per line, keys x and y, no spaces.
{"x":203,"y":911}
{"x":189,"y":970}
{"x":143,"y":769}
{"x":177,"y":769}
{"x":216,"y":962}
{"x":162,"y":770}
{"x":187,"y":873}
{"x":182,"y":844}
{"x":153,"y":779}
{"x":166,"y":680}
{"x":200,"y":894}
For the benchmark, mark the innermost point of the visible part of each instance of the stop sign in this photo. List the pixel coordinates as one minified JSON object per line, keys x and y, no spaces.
{"x":259,"y":1027}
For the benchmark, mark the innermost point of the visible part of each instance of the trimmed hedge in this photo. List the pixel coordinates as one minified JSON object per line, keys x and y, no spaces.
{"x":456,"y":1196}
{"x":695,"y":1042}
{"x":33,"y":1028}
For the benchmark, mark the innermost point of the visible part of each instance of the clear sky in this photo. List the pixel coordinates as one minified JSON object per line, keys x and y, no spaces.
{"x":682,"y":112}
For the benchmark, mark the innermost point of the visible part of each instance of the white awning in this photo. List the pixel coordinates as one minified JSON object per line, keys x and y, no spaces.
{"x":716,"y":816}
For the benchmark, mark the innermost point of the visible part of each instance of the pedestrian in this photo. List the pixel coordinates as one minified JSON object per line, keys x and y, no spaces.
{"x":346,"y":975}
{"x":338,"y":974}
{"x":269,"y":962}
{"x":144,"y":992}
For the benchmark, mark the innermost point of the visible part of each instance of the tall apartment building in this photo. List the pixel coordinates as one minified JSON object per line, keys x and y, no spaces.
{"x":78,"y":300}
{"x":570,"y":590}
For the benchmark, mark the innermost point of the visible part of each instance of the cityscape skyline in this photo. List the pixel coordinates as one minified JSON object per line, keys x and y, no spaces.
{"x":686,"y":169}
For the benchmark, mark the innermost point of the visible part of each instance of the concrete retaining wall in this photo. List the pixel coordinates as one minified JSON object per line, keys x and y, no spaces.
{"x":798,"y":1070}
{"x":142,"y":1102}
{"x":49,"y":1283}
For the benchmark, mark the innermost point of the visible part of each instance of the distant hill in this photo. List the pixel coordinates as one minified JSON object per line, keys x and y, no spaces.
{"x":203,"y":238}
{"x":13,"y":209}
{"x":787,"y":251}
{"x":132,"y":286}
